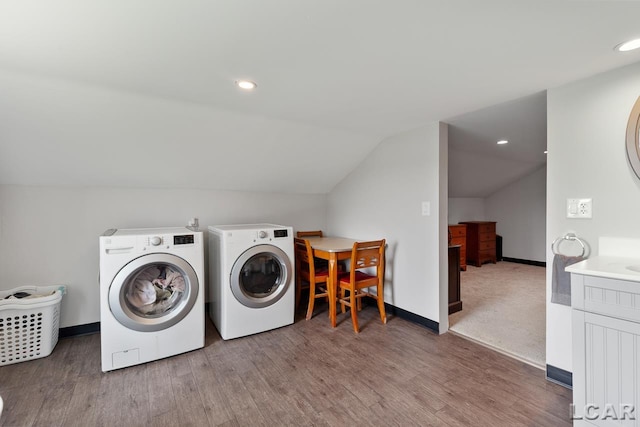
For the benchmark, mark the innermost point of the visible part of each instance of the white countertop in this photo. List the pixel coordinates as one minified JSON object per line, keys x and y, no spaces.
{"x":608,"y":266}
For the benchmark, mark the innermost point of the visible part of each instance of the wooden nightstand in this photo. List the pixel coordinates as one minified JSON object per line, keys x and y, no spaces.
{"x":481,"y":242}
{"x":458,"y":233}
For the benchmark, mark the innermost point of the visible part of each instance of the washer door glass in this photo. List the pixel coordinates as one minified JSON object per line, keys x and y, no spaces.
{"x":153,"y":292}
{"x":261,"y":276}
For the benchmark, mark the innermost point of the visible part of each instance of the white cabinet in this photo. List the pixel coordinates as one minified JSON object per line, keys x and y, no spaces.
{"x":606,"y":351}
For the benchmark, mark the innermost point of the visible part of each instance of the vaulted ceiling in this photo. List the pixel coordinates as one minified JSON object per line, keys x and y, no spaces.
{"x":113,"y":92}
{"x":478,"y":166}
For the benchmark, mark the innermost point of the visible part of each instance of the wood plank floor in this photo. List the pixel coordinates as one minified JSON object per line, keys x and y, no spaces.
{"x":304,"y":374}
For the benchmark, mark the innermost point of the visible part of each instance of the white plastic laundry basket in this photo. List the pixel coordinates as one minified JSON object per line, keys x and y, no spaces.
{"x":29,"y":327}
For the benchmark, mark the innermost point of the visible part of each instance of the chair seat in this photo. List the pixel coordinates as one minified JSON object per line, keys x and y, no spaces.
{"x":319,"y":273}
{"x":360,"y":276}
{"x":322,"y":272}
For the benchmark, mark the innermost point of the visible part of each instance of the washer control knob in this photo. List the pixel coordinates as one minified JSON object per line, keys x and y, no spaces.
{"x":155,"y":240}
{"x":262,"y":234}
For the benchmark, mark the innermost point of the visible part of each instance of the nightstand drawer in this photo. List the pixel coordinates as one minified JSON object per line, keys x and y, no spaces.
{"x":487,"y":228}
{"x":458,"y":241}
{"x":487,"y":246}
{"x":487,"y":237}
{"x":458,"y":231}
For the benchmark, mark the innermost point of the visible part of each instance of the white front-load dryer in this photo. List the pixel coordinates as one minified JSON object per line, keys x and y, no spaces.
{"x":252,"y":286}
{"x":151,"y":294}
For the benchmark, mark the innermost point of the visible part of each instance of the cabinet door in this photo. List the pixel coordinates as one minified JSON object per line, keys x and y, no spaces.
{"x":606,"y":369}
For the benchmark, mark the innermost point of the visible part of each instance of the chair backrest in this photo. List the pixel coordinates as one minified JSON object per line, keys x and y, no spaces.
{"x":368,"y":254}
{"x":304,"y":254}
{"x":316,"y":233}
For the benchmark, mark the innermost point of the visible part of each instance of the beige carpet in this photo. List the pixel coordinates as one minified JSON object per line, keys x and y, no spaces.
{"x":503,"y":306}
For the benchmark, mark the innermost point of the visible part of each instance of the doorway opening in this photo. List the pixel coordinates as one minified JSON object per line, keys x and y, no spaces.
{"x":503,"y":285}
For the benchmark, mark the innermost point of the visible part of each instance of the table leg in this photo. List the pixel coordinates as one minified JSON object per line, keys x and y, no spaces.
{"x":333,"y":287}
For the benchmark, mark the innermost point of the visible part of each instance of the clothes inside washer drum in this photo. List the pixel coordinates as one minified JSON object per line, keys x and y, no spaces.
{"x":142,"y":293}
{"x":172,"y":281}
{"x":155,"y":290}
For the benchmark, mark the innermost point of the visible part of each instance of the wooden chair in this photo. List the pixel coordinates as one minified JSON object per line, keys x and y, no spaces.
{"x":307,"y":272}
{"x":302,"y":234}
{"x":364,"y":255}
{"x":319,"y":263}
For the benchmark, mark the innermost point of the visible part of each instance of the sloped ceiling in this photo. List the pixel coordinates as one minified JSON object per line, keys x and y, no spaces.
{"x":138,"y":93}
{"x":478,"y":166}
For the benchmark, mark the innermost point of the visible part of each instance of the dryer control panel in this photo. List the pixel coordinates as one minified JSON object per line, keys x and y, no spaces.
{"x":266,"y":234}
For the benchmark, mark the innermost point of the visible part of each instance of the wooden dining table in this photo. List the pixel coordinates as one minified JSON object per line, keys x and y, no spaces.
{"x":333,"y":249}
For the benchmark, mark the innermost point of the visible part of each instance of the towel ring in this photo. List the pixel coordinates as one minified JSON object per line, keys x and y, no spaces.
{"x":569,"y":236}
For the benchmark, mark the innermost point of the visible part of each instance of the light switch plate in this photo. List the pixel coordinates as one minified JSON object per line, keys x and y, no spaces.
{"x":579,"y":208}
{"x":426,"y":208}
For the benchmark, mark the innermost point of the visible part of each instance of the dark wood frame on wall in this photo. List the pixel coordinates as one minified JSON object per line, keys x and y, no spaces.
{"x":633,"y":147}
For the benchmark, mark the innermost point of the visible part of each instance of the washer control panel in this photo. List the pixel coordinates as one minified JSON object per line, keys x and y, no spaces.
{"x":175,"y":240}
{"x":185,"y":239}
{"x":135,"y":240}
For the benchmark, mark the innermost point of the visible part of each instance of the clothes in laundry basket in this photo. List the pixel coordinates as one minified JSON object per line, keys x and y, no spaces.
{"x":27,"y":295}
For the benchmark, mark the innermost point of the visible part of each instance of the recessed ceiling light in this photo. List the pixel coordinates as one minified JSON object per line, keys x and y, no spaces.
{"x":246,"y":84}
{"x":502,"y":142}
{"x":545,"y":151}
{"x":627,"y":46}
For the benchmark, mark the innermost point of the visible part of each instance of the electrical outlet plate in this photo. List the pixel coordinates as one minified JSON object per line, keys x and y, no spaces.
{"x":579,"y":208}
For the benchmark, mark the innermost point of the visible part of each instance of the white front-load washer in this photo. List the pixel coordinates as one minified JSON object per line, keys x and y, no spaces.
{"x":252,"y":286}
{"x":151,"y":294}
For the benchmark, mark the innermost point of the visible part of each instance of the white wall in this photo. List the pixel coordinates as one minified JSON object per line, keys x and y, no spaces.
{"x":520,"y":212}
{"x":382,"y":198}
{"x":478,"y":173}
{"x":586,"y":139}
{"x":49,"y":235}
{"x":466,"y":209}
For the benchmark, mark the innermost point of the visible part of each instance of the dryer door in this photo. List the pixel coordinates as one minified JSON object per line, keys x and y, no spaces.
{"x":153,"y":292}
{"x":261,"y":276}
